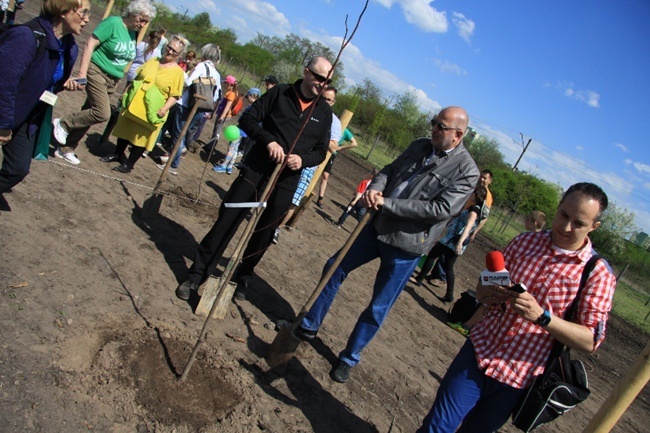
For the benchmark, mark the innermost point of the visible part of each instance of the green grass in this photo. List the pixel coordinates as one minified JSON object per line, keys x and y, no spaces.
{"x":632,"y":306}
{"x":380,"y":156}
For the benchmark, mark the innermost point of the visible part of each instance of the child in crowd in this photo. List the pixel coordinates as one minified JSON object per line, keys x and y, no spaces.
{"x":233,"y":147}
{"x":355,"y":204}
{"x":535,"y":221}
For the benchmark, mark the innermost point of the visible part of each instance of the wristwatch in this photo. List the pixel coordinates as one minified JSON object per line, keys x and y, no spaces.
{"x":544,"y":319}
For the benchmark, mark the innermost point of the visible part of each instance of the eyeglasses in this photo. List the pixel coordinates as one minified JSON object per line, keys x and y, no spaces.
{"x":319,"y":77}
{"x":83,"y":14}
{"x":435,"y":123}
{"x":330,"y":100}
{"x":140,"y":19}
{"x":173,"y":51}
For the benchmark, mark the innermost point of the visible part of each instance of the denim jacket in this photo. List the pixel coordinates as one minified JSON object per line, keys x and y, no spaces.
{"x":414,"y":221}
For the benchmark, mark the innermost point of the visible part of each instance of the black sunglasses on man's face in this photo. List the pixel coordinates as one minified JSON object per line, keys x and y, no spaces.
{"x":319,"y":77}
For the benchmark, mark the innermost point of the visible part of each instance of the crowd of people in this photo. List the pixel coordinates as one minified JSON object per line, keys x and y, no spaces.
{"x":430,"y":201}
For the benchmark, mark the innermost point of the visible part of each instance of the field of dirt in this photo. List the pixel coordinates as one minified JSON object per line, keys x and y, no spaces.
{"x":93,"y":337}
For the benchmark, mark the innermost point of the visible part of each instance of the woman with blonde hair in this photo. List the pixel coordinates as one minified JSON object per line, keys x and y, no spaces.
{"x":160,"y":75}
{"x":210,"y":57}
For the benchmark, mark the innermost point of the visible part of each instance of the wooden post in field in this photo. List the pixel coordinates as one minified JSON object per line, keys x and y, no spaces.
{"x":109,"y":8}
{"x":346,"y":116}
{"x":622,"y":396}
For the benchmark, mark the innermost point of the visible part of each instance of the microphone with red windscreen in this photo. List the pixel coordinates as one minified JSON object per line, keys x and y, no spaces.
{"x":496,"y":273}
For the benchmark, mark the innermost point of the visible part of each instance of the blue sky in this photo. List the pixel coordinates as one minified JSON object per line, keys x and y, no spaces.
{"x":571,"y":75}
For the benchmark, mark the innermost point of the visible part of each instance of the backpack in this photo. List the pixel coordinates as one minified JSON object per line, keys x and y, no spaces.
{"x":237,"y":106}
{"x":37,"y":29}
{"x":464,"y":307}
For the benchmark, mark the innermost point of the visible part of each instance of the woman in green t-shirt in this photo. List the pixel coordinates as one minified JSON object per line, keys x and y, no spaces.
{"x":108,"y":51}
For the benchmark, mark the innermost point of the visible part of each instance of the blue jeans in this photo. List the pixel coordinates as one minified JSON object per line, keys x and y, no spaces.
{"x":467,"y":395}
{"x":179,"y":121}
{"x":394,"y":270}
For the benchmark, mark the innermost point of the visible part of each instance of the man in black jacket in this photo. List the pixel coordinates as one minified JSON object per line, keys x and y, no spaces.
{"x":273,"y":122}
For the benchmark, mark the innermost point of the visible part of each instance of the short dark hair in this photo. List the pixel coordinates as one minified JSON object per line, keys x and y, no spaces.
{"x":592,"y":191}
{"x":332,"y":88}
{"x":486,"y":171}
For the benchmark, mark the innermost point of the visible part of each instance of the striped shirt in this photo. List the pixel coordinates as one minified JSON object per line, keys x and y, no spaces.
{"x":513,"y":350}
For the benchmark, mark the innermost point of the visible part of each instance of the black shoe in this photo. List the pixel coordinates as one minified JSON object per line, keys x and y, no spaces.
{"x":305,"y":334}
{"x":240,"y":291}
{"x":447,"y":298}
{"x":341,"y":373}
{"x":109,"y":158}
{"x":415,"y":280}
{"x":4,"y":205}
{"x":123,"y":168}
{"x":184,"y":290}
{"x":319,"y":203}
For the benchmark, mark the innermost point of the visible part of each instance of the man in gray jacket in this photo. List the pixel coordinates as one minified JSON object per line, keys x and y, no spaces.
{"x":413,"y":197}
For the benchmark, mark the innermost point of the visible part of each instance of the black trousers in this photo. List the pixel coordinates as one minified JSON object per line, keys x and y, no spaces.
{"x":247,"y":188}
{"x":450,"y":257}
{"x":17,"y":158}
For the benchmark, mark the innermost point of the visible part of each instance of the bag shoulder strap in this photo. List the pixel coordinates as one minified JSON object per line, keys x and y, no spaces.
{"x":569,"y":315}
{"x":586,"y":271}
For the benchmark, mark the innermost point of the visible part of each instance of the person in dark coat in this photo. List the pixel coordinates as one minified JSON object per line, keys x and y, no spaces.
{"x":36,"y":60}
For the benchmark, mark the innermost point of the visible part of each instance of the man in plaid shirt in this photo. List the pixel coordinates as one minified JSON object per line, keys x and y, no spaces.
{"x":511,"y":343}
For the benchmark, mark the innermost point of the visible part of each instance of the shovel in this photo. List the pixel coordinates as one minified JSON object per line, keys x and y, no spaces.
{"x":152,"y":204}
{"x":286,"y":343}
{"x":229,"y":271}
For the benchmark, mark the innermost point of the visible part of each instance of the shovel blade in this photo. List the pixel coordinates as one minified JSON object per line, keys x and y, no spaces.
{"x":151,"y":206}
{"x":282,"y":349}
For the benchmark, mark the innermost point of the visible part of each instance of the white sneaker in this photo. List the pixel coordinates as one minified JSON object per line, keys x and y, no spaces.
{"x":59,"y":132}
{"x":70,"y":157}
{"x":164,"y":158}
{"x":170,"y":171}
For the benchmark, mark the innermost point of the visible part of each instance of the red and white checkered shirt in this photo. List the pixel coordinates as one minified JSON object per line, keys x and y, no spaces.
{"x":513,"y":350}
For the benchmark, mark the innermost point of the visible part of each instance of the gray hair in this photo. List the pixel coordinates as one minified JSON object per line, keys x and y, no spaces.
{"x":211,"y":52}
{"x":140,"y":7}
{"x":181,"y":40}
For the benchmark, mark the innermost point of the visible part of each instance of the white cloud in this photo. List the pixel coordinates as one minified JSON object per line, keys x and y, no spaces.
{"x":246,"y":17}
{"x":447,"y":67}
{"x":465,"y":26}
{"x":580,"y":148}
{"x":639,"y":166}
{"x":589,"y":97}
{"x":358,"y":67}
{"x":420,"y":14}
{"x":207,"y":4}
{"x":622,"y":147}
{"x":565,"y":170}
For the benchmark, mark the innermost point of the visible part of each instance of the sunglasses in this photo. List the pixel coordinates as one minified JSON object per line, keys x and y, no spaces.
{"x":435,"y":124}
{"x":319,"y":77}
{"x":173,"y":51}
